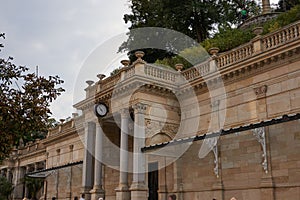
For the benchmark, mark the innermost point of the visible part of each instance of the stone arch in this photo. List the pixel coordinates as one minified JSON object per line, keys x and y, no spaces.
{"x":158,"y":138}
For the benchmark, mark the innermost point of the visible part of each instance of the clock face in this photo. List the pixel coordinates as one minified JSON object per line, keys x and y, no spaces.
{"x":101,"y":109}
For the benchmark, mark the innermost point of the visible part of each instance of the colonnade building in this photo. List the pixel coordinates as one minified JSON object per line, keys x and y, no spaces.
{"x":227,"y":127}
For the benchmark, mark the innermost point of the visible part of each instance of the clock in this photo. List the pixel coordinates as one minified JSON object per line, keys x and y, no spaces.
{"x":101,"y":109}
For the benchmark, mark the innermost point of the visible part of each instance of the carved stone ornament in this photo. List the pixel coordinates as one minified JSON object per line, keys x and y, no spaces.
{"x":139,"y":108}
{"x":216,"y":168}
{"x":261,"y":91}
{"x":260,"y":135}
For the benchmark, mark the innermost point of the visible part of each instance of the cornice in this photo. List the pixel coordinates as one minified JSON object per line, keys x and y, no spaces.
{"x":69,"y":133}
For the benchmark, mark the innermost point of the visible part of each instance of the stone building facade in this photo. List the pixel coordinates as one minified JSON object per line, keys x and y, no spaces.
{"x":228,"y":127}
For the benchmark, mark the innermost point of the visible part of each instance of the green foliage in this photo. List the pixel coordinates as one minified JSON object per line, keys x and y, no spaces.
{"x":285,"y":5}
{"x":193,"y":18}
{"x":6,"y":188}
{"x":24,"y":106}
{"x":228,"y":39}
{"x":188,"y":57}
{"x":115,"y":71}
{"x":283,"y":19}
{"x":33,"y":185}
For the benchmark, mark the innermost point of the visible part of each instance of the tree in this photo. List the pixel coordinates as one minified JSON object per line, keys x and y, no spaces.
{"x":5,"y":188}
{"x":284,"y":5}
{"x":34,"y":185}
{"x":24,"y":106}
{"x":194,"y":18}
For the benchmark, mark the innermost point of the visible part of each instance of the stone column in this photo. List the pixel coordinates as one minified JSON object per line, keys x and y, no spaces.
{"x":178,"y":184}
{"x":9,"y":175}
{"x":87,"y":168}
{"x":138,"y":188}
{"x":26,"y":191}
{"x":98,"y":191}
{"x":122,"y":191}
{"x":19,"y":187}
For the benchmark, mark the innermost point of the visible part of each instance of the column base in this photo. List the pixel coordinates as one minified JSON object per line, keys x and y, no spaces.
{"x":97,"y":193}
{"x":122,"y":192}
{"x":86,"y":192}
{"x":122,"y":195}
{"x":139,"y":191}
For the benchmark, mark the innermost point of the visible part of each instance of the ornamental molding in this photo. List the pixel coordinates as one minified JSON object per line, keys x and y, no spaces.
{"x":261,"y":91}
{"x":216,"y":160}
{"x":260,"y":135}
{"x":154,"y":127}
{"x":140,"y":108}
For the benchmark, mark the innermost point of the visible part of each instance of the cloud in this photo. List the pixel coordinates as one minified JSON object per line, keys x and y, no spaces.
{"x":58,"y":36}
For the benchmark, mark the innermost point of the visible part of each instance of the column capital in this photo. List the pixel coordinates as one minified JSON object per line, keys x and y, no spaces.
{"x":124,"y":112}
{"x":139,"y":108}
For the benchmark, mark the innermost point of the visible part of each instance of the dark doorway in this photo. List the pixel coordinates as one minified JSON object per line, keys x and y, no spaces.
{"x":153,"y":181}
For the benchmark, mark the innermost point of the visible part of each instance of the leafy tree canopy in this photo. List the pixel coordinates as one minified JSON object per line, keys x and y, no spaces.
{"x":284,"y":5}
{"x":24,"y":106}
{"x":194,"y":18}
{"x":5,"y":188}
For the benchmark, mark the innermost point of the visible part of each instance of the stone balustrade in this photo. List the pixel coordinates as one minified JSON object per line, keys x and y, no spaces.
{"x":201,"y":69}
{"x":110,"y":81}
{"x":281,"y":37}
{"x":160,"y":73}
{"x":62,"y":127}
{"x":258,"y":45}
{"x":235,"y":55}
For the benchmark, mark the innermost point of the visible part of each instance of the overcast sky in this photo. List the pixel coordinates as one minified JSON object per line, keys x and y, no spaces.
{"x":59,"y":35}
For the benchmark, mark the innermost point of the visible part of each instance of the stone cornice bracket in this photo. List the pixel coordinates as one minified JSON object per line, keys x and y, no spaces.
{"x":139,"y":108}
{"x":261,"y":91}
{"x":216,"y":161}
{"x":260,"y":135}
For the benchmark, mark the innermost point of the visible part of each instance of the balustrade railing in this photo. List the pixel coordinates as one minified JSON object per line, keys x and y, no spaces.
{"x":129,"y":72}
{"x":281,"y":37}
{"x":160,"y":73}
{"x":110,"y":81}
{"x":235,"y":55}
{"x":201,"y":69}
{"x":222,"y":60}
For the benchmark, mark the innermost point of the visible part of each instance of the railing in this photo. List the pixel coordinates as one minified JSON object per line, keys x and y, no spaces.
{"x":129,"y":72}
{"x":160,"y":73}
{"x":199,"y":70}
{"x":281,"y":37}
{"x":110,"y":81}
{"x":235,"y":55}
{"x":258,"y":45}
